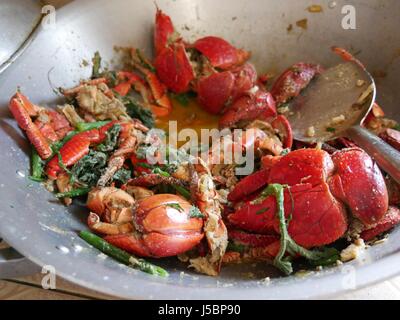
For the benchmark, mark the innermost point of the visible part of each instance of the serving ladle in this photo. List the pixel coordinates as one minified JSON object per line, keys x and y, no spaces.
{"x":334,"y":105}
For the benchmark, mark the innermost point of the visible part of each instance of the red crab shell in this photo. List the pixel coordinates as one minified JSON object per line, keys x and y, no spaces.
{"x":220,"y":52}
{"x":320,"y":187}
{"x":163,"y":228}
{"x":293,"y":80}
{"x":174,"y":68}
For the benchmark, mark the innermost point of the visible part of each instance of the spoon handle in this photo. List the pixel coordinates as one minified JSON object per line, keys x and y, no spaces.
{"x":387,"y":157}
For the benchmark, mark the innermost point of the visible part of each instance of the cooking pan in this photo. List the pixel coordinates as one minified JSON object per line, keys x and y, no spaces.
{"x":44,"y":231}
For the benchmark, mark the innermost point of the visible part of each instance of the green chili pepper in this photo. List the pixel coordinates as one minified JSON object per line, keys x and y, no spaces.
{"x":122,"y":255}
{"x":85,"y":126}
{"x":73,"y":193}
{"x":37,"y":166}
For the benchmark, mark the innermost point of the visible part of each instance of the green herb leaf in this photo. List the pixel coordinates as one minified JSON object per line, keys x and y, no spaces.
{"x":236,"y":247}
{"x":285,"y":152}
{"x":330,"y":129}
{"x":61,"y":163}
{"x":122,"y":175}
{"x":144,"y":165}
{"x":37,"y":166}
{"x":111,"y":140}
{"x":143,"y":61}
{"x":329,"y":257}
{"x":161,"y":172}
{"x":137,"y":111}
{"x":85,"y":126}
{"x":175,"y":205}
{"x":261,"y":211}
{"x":183,"y":98}
{"x":287,"y":243}
{"x":183,"y":191}
{"x":195,"y":212}
{"x":90,"y":168}
{"x":397,"y":127}
{"x":73,"y":193}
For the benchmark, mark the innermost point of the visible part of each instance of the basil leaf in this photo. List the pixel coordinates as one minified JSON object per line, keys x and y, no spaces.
{"x":122,"y":175}
{"x":89,"y":169}
{"x":111,"y":140}
{"x":195,"y":212}
{"x":137,"y":111}
{"x":175,"y":205}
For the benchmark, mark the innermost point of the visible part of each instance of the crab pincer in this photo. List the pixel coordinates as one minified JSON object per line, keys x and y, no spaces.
{"x":319,"y":189}
{"x":174,"y":68}
{"x":163,"y":104}
{"x":163,"y":31}
{"x":220,"y":52}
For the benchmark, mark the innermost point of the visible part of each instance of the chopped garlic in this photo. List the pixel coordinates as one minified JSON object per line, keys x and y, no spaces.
{"x":283,"y":110}
{"x":339,"y":119}
{"x":353,"y":251}
{"x":310,"y":132}
{"x":360,"y":83}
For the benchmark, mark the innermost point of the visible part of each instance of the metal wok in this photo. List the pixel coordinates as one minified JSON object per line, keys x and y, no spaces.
{"x":44,"y":231}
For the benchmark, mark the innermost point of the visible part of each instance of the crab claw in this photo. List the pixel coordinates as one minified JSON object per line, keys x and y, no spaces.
{"x":293,"y":81}
{"x":220,"y":52}
{"x":163,"y":32}
{"x":359,"y":183}
{"x":174,"y":68}
{"x":21,"y":109}
{"x":164,"y":228}
{"x":319,"y":187}
{"x":249,"y":185}
{"x":217,"y":90}
{"x":53,"y":125}
{"x":310,"y":166}
{"x":324,"y":223}
{"x":282,"y":125}
{"x":259,"y":105}
{"x":101,"y":200}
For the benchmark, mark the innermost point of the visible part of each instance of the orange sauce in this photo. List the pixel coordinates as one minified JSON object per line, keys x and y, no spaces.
{"x":191,"y":116}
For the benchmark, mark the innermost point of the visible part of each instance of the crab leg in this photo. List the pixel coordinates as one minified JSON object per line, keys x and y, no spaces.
{"x":157,"y":88}
{"x":347,"y":56}
{"x":21,"y":109}
{"x":117,"y":160}
{"x":205,"y":196}
{"x":72,"y":151}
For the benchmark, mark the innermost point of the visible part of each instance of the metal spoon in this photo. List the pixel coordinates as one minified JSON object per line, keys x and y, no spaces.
{"x":334,"y":105}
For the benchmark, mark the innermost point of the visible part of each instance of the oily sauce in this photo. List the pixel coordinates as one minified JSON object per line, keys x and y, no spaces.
{"x":191,"y":116}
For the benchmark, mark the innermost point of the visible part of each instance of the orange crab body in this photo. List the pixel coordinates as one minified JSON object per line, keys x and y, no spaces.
{"x":156,"y":226}
{"x":322,"y":190}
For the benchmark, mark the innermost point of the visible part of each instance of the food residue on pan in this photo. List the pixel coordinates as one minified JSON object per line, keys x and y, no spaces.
{"x":303,"y":23}
{"x":315,"y":8}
